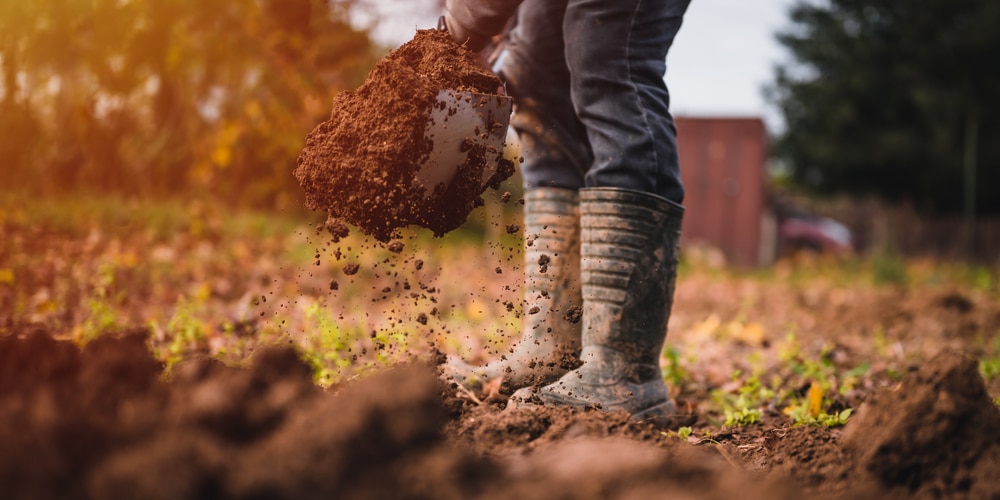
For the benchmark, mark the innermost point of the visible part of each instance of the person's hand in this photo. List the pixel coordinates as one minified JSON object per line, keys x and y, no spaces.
{"x":461,"y":35}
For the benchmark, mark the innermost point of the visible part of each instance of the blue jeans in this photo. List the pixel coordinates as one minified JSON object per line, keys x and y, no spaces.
{"x":592,"y":106}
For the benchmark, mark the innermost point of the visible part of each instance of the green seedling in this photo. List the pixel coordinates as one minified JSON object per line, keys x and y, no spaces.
{"x":743,"y":408}
{"x":185,"y":332}
{"x":989,"y":368}
{"x":673,"y":373}
{"x":104,"y":307}
{"x":325,"y":350}
{"x":741,"y":416}
{"x":852,"y":378}
{"x":800,"y":416}
{"x":810,"y":410}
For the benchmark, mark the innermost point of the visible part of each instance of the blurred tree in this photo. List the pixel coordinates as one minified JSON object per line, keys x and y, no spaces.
{"x":156,"y":97}
{"x":895,"y":98}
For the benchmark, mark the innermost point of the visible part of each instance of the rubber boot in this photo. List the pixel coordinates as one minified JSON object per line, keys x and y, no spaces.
{"x":550,"y":339}
{"x":629,"y":267}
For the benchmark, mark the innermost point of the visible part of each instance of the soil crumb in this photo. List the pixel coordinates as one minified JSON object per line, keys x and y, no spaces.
{"x":360,"y":165}
{"x":574,"y":314}
{"x":337,"y":229}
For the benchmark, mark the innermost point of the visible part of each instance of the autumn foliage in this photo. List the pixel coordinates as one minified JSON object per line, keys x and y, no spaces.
{"x":158,"y":97}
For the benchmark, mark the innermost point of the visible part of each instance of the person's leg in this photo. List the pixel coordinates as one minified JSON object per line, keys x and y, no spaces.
{"x":554,"y":143}
{"x":556,"y":153}
{"x":616,"y":51}
{"x":630,"y":211}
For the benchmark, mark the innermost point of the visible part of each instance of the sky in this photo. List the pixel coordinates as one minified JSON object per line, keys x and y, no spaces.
{"x":722,"y":58}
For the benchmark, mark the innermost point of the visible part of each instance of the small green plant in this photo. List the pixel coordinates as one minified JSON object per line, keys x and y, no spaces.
{"x":325,"y":349}
{"x":104,"y":307}
{"x":741,"y":415}
{"x":743,"y":408}
{"x":103,"y":317}
{"x":801,"y":416}
{"x":673,"y":373}
{"x":684,"y":432}
{"x":809,"y":410}
{"x":990,"y":367}
{"x":184,"y":330}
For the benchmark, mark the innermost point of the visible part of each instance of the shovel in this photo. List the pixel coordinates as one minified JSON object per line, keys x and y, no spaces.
{"x":459,"y":123}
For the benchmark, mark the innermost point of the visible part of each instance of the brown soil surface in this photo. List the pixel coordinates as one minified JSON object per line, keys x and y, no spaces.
{"x":105,"y":422}
{"x":359,"y":165}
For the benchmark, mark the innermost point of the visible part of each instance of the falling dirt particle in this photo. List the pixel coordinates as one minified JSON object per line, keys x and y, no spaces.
{"x":521,"y":201}
{"x":396,"y":246}
{"x":513,"y":229}
{"x":351,"y":269}
{"x":574,"y":314}
{"x":534,"y":310}
{"x":499,"y":271}
{"x":422,"y":319}
{"x":386,"y":289}
{"x":505,"y":197}
{"x":543,"y":263}
{"x":334,"y":285}
{"x":336,"y":228}
{"x":418,"y":264}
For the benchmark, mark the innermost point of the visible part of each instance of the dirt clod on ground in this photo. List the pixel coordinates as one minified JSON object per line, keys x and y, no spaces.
{"x":936,"y":435}
{"x":360,"y":165}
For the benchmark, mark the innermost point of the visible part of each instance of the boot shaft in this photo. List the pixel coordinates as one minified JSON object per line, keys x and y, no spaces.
{"x":629,"y":245}
{"x":552,"y":264}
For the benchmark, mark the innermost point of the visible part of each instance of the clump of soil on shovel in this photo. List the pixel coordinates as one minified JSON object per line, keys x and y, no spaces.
{"x":359,"y":165}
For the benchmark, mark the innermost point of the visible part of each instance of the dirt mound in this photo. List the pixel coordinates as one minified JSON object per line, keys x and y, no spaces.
{"x":104,"y":423}
{"x":936,"y":435}
{"x":360,"y":164}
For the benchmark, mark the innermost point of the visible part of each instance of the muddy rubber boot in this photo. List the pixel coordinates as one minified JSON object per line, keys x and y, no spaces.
{"x":629,"y":266}
{"x":551,"y":337}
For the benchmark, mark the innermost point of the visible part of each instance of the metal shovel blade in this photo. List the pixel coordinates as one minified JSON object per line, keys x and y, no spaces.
{"x":455,"y":118}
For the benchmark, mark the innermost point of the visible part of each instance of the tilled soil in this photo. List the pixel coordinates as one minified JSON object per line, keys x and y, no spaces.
{"x":106,"y":422}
